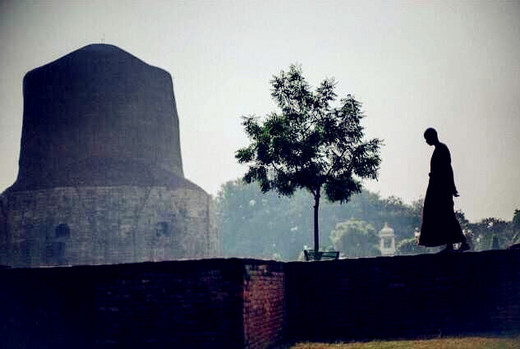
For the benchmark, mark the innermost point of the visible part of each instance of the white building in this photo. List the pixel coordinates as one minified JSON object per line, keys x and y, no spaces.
{"x":387,"y":241}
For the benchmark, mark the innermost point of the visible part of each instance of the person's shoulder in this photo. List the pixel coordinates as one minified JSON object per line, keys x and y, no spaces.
{"x":443,"y":150}
{"x":442,"y":147}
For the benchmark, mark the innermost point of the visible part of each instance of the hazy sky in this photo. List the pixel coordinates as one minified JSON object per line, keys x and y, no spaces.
{"x":453,"y":65}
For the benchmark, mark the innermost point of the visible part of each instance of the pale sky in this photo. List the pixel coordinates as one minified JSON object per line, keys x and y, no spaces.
{"x":452,"y":65}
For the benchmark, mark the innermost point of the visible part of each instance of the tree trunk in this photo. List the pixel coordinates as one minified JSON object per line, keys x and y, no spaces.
{"x":316,"y":228}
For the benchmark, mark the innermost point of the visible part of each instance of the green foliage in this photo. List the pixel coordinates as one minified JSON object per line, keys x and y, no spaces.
{"x":355,"y":238}
{"x":492,"y":233}
{"x":409,"y":246}
{"x":475,"y":342}
{"x":516,"y":220}
{"x":259,"y":225}
{"x":310,"y":144}
{"x":253,"y":224}
{"x":516,"y":227}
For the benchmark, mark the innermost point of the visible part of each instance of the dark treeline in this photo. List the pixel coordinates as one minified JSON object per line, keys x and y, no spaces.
{"x":253,"y":224}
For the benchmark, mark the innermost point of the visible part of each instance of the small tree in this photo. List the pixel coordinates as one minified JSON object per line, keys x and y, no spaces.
{"x":355,"y":238}
{"x":309,"y":144}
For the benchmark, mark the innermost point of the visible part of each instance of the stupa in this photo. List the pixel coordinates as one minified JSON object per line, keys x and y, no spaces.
{"x":100,"y":176}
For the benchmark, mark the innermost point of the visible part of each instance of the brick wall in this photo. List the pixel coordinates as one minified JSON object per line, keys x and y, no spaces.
{"x":194,"y":304}
{"x":406,"y":296}
{"x":171,"y":305}
{"x":240,"y":303}
{"x":264,"y":304}
{"x":213,"y":303}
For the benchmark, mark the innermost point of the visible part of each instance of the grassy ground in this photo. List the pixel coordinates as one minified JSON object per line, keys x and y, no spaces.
{"x":444,"y":343}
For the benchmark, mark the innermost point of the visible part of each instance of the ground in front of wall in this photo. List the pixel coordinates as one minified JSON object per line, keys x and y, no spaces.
{"x":440,"y":343}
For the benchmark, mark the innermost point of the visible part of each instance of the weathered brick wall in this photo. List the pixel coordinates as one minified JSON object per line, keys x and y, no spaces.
{"x":190,"y":304}
{"x":124,"y":224}
{"x":264,"y":304}
{"x":404,"y":296}
{"x":234,"y":303}
{"x":172,"y":305}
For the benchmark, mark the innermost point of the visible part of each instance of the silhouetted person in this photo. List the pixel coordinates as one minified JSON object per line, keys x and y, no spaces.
{"x":439,"y":225}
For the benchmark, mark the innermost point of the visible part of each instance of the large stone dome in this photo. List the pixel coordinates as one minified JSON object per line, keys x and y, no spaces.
{"x":99,"y":116}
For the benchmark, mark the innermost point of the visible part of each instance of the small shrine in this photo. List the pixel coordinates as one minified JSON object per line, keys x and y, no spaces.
{"x":387,"y":241}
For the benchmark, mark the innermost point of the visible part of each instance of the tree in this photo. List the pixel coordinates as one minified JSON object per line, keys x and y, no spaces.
{"x":492,"y":233}
{"x":252,"y":224}
{"x":516,"y":220}
{"x":516,"y":227}
{"x":309,"y":144}
{"x":355,"y":238}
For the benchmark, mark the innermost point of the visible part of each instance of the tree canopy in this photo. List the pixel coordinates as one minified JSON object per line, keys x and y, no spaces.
{"x":254,"y":224}
{"x":309,"y":144}
{"x":355,"y":238}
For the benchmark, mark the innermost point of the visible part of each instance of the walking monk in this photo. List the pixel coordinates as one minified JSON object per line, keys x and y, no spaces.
{"x":439,"y":226}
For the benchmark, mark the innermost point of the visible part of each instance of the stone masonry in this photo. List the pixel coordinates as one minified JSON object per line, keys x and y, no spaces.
{"x":100,"y":178}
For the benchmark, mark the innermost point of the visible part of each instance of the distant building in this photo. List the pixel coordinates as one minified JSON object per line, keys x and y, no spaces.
{"x":387,"y":241}
{"x":100,"y":178}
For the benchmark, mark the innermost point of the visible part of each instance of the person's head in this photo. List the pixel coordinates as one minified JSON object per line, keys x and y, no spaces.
{"x":431,"y":136}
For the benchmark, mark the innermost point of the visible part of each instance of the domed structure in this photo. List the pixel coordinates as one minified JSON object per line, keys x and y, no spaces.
{"x":100,"y":177}
{"x":387,"y":241}
{"x":98,"y":116}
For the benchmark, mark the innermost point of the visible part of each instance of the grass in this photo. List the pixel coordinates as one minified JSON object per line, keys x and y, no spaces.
{"x":443,"y":343}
